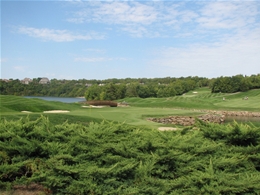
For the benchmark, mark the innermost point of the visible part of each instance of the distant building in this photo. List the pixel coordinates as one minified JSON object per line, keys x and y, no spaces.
{"x":5,"y":80}
{"x":88,"y":85}
{"x":26,"y":81}
{"x":44,"y":80}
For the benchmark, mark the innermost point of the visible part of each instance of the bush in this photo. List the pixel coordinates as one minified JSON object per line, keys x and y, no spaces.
{"x":109,"y":158}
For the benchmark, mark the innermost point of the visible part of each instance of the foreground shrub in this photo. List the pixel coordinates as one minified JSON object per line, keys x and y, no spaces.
{"x":109,"y":158}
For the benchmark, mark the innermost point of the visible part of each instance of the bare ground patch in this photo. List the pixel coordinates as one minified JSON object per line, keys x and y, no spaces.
{"x":56,"y":111}
{"x":167,"y":129}
{"x":25,"y":111}
{"x":93,"y":106}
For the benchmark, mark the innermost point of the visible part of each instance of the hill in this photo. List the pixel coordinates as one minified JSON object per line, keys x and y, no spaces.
{"x":202,"y":98}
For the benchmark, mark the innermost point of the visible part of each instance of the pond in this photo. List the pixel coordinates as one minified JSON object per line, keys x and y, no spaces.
{"x":60,"y":99}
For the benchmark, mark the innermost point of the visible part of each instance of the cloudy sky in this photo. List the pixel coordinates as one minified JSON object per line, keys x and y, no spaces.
{"x":136,"y":39}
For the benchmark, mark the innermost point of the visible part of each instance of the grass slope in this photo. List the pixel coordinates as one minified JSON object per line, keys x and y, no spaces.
{"x":203,"y":99}
{"x":18,"y":104}
{"x":11,"y":107}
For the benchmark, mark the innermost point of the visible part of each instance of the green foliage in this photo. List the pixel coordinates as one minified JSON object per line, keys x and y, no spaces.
{"x":233,"y":134}
{"x":109,"y":158}
{"x":235,"y":83}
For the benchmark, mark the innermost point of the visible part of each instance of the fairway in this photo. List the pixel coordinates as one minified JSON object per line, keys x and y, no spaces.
{"x":131,"y":115}
{"x":193,"y":103}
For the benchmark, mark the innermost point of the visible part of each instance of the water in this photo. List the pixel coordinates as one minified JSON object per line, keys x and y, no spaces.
{"x":59,"y":99}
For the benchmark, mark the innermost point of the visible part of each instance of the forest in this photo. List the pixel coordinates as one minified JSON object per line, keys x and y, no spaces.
{"x":111,"y":89}
{"x":116,"y":158}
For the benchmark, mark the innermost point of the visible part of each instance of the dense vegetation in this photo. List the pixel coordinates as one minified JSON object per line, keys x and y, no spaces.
{"x":111,"y":89}
{"x":235,"y":83}
{"x":174,"y":87}
{"x":106,"y":158}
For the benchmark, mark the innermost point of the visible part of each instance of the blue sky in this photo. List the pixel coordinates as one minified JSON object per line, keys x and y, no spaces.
{"x":136,"y":39}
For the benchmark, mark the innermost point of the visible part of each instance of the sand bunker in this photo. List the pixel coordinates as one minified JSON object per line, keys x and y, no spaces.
{"x":25,"y":111}
{"x":167,"y":129}
{"x":56,"y":111}
{"x":93,"y":106}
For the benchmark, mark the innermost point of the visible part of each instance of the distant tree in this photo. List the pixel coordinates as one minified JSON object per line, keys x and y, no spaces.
{"x":131,"y":90}
{"x":166,"y":91}
{"x":93,"y":92}
{"x":110,"y":91}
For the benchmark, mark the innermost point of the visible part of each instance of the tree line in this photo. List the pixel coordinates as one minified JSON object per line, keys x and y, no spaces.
{"x":235,"y":83}
{"x":112,"y":89}
{"x":128,"y":87}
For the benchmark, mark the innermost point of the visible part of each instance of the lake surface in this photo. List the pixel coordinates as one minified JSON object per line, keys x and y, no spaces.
{"x":59,"y":99}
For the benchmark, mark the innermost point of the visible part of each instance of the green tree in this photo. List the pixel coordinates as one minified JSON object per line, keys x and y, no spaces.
{"x":131,"y":90}
{"x":93,"y":92}
{"x":110,"y":91}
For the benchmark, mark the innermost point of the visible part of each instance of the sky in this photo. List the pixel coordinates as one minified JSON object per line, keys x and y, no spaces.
{"x":77,"y":39}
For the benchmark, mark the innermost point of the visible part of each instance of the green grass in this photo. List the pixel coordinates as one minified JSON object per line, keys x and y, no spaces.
{"x":131,"y":115}
{"x":17,"y":104}
{"x":11,"y":107}
{"x":203,"y":99}
{"x":139,"y":110}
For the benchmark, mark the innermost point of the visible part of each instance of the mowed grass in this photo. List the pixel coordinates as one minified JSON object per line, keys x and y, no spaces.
{"x":132,"y":115}
{"x":203,"y":99}
{"x":139,"y":109}
{"x":17,"y":104}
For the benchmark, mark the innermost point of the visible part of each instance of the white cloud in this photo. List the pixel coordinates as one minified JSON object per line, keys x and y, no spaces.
{"x":132,"y":17}
{"x":167,"y":18}
{"x":234,"y":55}
{"x":57,"y":35}
{"x":228,"y":14}
{"x":119,"y":13}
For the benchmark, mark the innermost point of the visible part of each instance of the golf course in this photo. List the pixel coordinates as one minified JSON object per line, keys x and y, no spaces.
{"x":193,"y":103}
{"x":50,"y":147}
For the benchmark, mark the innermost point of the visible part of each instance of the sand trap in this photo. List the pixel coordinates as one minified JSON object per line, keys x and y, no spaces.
{"x":167,"y":129}
{"x":25,"y":111}
{"x":56,"y":111}
{"x":93,"y":106}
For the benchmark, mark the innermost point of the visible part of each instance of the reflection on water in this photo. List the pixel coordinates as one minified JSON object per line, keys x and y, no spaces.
{"x":59,"y":99}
